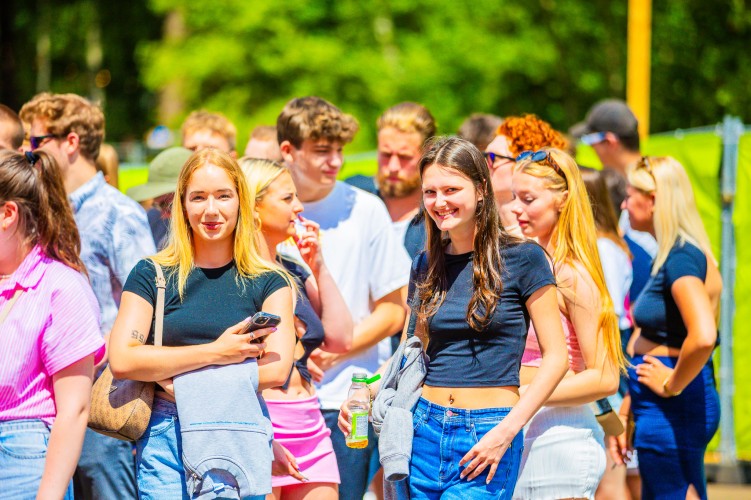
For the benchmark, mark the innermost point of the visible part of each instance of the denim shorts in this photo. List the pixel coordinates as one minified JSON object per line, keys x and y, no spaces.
{"x":442,"y":436}
{"x":23,"y":450}
{"x":159,"y":466}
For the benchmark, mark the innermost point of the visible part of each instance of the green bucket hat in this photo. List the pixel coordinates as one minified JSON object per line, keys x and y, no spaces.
{"x":164,"y":170}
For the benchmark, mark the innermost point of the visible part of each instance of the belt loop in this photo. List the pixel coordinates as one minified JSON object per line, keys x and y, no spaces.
{"x":468,"y":420}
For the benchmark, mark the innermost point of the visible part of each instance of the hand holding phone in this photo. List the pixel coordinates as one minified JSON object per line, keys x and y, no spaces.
{"x":258,"y":321}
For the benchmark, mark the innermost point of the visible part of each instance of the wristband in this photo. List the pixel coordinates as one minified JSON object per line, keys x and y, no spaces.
{"x":667,"y":391}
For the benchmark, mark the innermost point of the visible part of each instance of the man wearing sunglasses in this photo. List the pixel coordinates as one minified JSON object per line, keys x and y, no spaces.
{"x":114,"y":237}
{"x":611,"y":129}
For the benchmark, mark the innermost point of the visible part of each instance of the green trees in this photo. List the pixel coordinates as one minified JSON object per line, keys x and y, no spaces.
{"x":552,"y":57}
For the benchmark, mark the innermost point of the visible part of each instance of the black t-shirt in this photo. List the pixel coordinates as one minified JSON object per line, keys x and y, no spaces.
{"x":462,"y":357}
{"x":655,"y":311}
{"x":213,"y":300}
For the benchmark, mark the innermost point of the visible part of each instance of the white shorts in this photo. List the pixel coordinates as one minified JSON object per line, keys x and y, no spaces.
{"x":563,"y":457}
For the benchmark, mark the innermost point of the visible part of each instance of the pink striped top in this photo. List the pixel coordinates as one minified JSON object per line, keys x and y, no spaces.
{"x":53,"y":324}
{"x":533,"y":357}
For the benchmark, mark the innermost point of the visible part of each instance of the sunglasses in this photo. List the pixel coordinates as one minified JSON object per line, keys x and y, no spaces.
{"x":542,"y":157}
{"x":492,"y":157}
{"x":36,"y":141}
{"x":593,"y":138}
{"x":644,"y":163}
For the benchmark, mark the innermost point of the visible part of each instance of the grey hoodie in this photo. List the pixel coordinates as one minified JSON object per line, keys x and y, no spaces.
{"x":226,"y":439}
{"x":392,"y":413}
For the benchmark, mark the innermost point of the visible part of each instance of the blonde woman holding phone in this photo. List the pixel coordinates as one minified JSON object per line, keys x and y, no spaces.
{"x":216,"y":280}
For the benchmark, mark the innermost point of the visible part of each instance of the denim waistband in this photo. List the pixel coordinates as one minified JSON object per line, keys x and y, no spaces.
{"x":436,"y":410}
{"x":12,"y":425}
{"x":164,"y":406}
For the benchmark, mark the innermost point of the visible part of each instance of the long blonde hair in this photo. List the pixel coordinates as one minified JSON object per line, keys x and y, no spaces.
{"x":574,"y":238}
{"x":675,"y":214}
{"x":179,"y":253}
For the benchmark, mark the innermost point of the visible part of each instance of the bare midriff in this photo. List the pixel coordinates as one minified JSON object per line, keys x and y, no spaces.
{"x":644,"y":346}
{"x":298,"y":388}
{"x":472,"y":398}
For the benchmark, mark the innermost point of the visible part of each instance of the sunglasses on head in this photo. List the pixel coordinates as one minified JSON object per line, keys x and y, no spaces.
{"x":542,"y":157}
{"x":644,"y":163}
{"x":36,"y":141}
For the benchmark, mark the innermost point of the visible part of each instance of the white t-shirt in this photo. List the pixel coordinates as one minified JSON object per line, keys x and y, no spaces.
{"x":384,"y":346}
{"x":366,"y":261}
{"x":616,"y":265}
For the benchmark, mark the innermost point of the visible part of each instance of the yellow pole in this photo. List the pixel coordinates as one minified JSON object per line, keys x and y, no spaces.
{"x":639,"y":61}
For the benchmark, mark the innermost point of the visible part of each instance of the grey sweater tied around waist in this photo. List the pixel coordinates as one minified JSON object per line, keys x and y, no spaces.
{"x":392,"y":414}
{"x":226,"y":439}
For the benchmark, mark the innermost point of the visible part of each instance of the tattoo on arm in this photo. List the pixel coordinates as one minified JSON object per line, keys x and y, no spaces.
{"x":138,"y":336}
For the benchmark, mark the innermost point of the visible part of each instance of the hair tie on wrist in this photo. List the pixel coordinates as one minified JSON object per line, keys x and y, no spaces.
{"x":31,"y":157}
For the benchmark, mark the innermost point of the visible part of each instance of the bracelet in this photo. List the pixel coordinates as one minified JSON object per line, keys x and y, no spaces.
{"x":667,"y":391}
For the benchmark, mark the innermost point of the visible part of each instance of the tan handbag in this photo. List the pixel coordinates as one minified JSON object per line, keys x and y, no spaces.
{"x":121,"y":408}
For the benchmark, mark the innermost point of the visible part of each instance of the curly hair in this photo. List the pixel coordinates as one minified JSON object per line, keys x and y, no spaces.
{"x":530,"y":133}
{"x":66,"y":113}
{"x":314,"y":118}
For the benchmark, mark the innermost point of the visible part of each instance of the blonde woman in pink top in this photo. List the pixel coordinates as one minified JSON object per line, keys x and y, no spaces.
{"x":564,"y":455}
{"x":49,"y":331}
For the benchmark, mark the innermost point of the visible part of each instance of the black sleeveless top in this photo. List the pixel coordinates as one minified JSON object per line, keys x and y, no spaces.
{"x":314,"y":334}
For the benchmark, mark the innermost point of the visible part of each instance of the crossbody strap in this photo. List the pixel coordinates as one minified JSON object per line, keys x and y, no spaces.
{"x":161,"y":285}
{"x":413,"y":302}
{"x":9,"y":305}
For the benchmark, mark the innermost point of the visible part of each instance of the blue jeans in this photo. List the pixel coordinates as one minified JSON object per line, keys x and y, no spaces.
{"x":106,"y":469}
{"x":442,"y":436}
{"x":159,"y":466}
{"x":23,"y":450}
{"x":354,"y":464}
{"x":672,"y":434}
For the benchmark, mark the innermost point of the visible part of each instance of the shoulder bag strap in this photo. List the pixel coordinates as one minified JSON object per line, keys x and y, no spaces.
{"x":9,"y":305}
{"x":161,"y":285}
{"x":413,"y":316}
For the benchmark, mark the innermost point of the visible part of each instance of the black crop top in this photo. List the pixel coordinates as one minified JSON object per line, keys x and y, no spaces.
{"x":213,"y":300}
{"x":655,"y":311}
{"x":462,"y":357}
{"x":314,"y":333}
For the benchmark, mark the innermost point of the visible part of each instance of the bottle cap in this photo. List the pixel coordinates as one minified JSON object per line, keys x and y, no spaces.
{"x":360,"y":377}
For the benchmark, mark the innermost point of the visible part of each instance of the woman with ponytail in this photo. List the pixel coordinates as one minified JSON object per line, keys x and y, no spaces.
{"x":49,"y":331}
{"x":564,"y":455}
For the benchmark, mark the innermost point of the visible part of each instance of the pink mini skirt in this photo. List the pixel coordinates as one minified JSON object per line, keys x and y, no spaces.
{"x":299,"y":427}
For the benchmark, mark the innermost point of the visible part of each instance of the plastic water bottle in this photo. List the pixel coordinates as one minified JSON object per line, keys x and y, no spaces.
{"x":358,"y":403}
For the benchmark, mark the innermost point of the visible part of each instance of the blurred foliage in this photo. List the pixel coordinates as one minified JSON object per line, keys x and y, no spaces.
{"x":246,"y":59}
{"x":121,"y":26}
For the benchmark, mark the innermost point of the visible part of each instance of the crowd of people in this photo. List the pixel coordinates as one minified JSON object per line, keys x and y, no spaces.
{"x":566,"y":315}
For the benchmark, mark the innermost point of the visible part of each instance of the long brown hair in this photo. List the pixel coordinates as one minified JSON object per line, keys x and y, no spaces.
{"x":33,"y":182}
{"x":461,"y":156}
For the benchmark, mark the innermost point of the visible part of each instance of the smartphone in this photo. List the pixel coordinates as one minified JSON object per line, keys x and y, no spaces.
{"x":260,"y":320}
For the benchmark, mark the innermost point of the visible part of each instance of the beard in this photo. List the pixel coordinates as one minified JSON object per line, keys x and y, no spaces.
{"x":396,"y":189}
